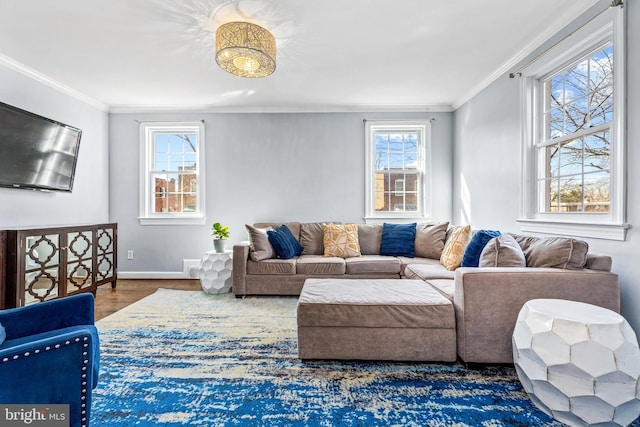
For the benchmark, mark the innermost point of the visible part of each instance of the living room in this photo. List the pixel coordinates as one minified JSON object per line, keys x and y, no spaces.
{"x":303,"y":162}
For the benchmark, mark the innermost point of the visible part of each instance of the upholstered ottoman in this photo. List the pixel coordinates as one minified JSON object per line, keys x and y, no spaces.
{"x":375,"y":319}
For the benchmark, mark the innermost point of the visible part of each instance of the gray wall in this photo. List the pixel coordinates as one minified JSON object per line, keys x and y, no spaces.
{"x":487,"y":167}
{"x":89,"y":201}
{"x":260,"y":167}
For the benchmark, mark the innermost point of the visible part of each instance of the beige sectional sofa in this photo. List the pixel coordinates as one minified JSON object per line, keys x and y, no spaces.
{"x":486,"y":299}
{"x":274,"y":276}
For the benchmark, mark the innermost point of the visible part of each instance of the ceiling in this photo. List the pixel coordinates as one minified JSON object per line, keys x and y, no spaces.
{"x":333,"y":55}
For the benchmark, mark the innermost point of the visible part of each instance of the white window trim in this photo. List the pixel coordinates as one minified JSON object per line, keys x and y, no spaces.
{"x":606,"y":27}
{"x":424,"y":167}
{"x":146,"y":214}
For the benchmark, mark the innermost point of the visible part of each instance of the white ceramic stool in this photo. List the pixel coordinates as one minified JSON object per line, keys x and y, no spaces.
{"x":216,"y":272}
{"x":578,"y":363}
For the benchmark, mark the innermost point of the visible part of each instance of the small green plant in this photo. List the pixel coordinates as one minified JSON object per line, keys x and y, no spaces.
{"x":220,"y":231}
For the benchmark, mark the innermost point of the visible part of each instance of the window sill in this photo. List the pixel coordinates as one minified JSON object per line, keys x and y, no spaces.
{"x":178,"y":220}
{"x":594,"y":231}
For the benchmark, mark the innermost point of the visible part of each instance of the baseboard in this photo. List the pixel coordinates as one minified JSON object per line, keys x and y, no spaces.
{"x":189,"y":271}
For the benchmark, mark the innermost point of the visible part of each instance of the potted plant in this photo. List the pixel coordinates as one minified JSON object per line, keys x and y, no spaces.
{"x":220,"y":235}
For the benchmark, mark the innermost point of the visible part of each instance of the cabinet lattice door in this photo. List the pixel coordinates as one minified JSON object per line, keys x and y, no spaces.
{"x":50,"y":263}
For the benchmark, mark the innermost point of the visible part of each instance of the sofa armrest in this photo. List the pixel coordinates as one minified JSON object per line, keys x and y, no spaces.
{"x":47,"y":316}
{"x":487,"y":302}
{"x":240,"y":257}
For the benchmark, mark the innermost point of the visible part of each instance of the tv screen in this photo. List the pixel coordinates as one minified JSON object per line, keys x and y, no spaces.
{"x":35,"y":152}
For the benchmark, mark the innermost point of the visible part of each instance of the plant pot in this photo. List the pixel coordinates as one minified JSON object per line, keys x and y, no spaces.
{"x":218,"y":244}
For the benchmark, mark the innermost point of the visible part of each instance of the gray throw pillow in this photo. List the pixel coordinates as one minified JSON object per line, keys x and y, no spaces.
{"x":430,"y":240}
{"x":259,"y":246}
{"x":502,"y":251}
{"x":554,"y":252}
{"x":369,"y":238}
{"x":311,"y":238}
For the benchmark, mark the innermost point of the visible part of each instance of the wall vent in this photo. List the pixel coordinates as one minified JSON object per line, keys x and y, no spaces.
{"x":191,"y":267}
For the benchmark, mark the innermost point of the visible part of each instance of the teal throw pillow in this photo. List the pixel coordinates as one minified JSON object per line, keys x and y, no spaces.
{"x":284,"y":244}
{"x":398,"y":240}
{"x":3,"y":334}
{"x":471,"y":257}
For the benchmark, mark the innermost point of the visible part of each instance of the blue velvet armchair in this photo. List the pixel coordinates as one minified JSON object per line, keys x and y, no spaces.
{"x":51,"y":355}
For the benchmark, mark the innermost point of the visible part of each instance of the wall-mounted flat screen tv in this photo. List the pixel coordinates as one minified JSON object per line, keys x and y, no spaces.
{"x":36,"y":152}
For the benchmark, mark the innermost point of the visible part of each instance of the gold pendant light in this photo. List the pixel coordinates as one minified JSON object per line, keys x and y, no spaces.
{"x":245,"y":49}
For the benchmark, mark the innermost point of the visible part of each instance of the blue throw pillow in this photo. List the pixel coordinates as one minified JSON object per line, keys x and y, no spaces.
{"x":471,"y":257}
{"x":284,"y":244}
{"x":3,"y":334}
{"x":398,"y":240}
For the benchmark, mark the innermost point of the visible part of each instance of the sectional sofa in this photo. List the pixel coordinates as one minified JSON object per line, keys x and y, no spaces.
{"x":513,"y":269}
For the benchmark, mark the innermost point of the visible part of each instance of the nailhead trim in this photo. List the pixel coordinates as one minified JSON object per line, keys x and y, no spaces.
{"x":85,"y":362}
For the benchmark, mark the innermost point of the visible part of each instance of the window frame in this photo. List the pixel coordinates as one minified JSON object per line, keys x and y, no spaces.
{"x":146,"y":192}
{"x":606,"y":28}
{"x":424,"y":204}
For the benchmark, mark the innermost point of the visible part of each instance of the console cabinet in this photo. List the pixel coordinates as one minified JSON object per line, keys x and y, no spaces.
{"x":46,"y":263}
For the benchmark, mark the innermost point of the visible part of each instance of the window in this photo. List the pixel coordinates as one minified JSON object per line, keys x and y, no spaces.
{"x":573,"y":115}
{"x":396,"y":177}
{"x":172,"y":173}
{"x":575,"y":148}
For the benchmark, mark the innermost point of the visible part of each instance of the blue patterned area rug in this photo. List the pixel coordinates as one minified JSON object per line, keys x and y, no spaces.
{"x":185,"y":358}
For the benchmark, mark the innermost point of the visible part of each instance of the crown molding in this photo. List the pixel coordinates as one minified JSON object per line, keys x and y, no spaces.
{"x":564,"y":20}
{"x":387,"y":108}
{"x":41,"y":78}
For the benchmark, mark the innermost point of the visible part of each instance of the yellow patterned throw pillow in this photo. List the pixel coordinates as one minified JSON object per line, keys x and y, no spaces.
{"x":341,"y":240}
{"x":454,"y":248}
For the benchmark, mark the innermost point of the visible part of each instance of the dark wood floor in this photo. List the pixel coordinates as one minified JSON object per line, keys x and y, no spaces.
{"x":127,"y":291}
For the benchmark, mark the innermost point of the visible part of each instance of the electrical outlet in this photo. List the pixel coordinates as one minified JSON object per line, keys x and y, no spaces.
{"x":130,"y":254}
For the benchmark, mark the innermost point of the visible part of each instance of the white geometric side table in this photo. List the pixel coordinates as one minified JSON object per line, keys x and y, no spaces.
{"x":215,"y":272}
{"x":579,"y":363}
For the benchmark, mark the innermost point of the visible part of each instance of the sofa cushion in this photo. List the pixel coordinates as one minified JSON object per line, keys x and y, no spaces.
{"x":502,"y":251}
{"x":320,"y":264}
{"x":311,"y":238}
{"x":284,"y":244}
{"x":479,"y":240}
{"x":428,"y":271}
{"x":369,"y":237}
{"x":404,"y":261}
{"x":367,"y":264}
{"x":430,"y":239}
{"x":454,"y":247}
{"x":272,"y":266}
{"x":555,"y":252}
{"x":398,"y":240}
{"x":429,"y":261}
{"x":341,"y":240}
{"x":259,"y":246}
